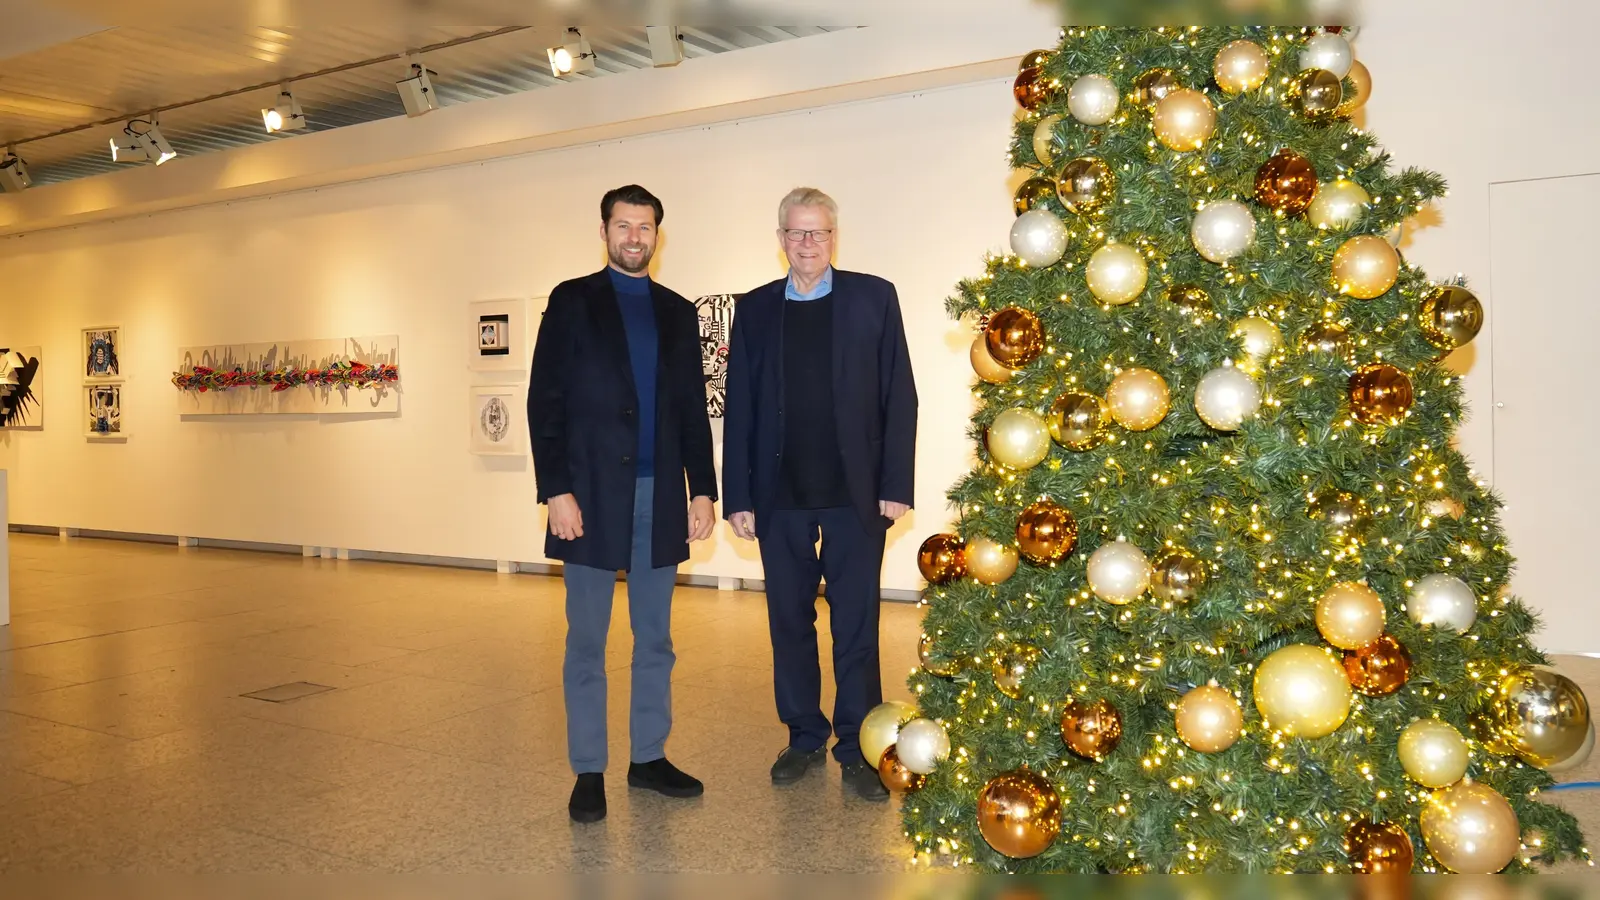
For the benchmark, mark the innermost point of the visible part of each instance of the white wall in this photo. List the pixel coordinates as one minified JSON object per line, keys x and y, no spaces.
{"x":922,"y":180}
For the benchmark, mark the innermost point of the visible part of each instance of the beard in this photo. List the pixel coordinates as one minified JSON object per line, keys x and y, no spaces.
{"x":618,"y":259}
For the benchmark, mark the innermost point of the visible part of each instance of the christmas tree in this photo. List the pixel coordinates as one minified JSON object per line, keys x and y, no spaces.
{"x":1222,"y":594}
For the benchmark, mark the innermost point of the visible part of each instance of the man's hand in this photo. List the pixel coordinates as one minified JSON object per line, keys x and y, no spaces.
{"x":744,"y":525}
{"x":566,"y":519}
{"x":702,"y":516}
{"x":892,"y":510}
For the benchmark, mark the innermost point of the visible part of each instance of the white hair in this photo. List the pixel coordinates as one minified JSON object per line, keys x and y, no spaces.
{"x":806,"y":196}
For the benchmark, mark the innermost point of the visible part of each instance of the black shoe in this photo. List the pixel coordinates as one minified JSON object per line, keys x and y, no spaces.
{"x":664,"y":778}
{"x":588,"y":803}
{"x":864,"y":780}
{"x":792,"y":764}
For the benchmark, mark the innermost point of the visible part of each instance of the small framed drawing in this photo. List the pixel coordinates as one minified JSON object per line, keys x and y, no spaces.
{"x":100,"y":360}
{"x":499,"y":335}
{"x":499,"y":426}
{"x":103,"y":411}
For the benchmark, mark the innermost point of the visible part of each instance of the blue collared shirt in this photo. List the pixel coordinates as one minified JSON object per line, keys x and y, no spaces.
{"x":824,"y":288}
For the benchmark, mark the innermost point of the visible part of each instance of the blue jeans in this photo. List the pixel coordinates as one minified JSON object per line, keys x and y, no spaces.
{"x":583,"y":674}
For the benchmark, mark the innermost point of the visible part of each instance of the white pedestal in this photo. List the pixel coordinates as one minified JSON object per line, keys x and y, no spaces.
{"x":505,"y":567}
{"x":5,"y":553}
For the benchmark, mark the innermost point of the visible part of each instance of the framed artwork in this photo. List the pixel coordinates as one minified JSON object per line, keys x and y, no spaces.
{"x":21,"y":388}
{"x":716,"y":328}
{"x":499,"y":421}
{"x":103,"y":408}
{"x":499,"y":335}
{"x":100,"y":353}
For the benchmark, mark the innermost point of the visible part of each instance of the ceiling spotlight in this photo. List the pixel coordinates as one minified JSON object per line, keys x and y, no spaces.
{"x":286,"y":115}
{"x":572,"y":57}
{"x":146,"y":137}
{"x":666,"y":45}
{"x":416,"y":92}
{"x":14,"y":176}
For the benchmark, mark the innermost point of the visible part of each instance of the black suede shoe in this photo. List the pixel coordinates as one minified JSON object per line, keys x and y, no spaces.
{"x":792,"y":764}
{"x":864,"y":780}
{"x":588,"y":803}
{"x":664,"y":778}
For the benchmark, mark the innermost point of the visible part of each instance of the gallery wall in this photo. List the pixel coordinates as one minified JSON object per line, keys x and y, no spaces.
{"x":923,"y":184}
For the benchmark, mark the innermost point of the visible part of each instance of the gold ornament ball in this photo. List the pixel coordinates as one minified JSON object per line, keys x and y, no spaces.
{"x":1378,"y":848}
{"x":1443,"y":600}
{"x":1451,"y":316}
{"x":1365,"y":267}
{"x":1329,"y":338}
{"x":1019,"y":439}
{"x":1380,"y":393}
{"x":1014,"y":337}
{"x":1085,"y":185}
{"x":1260,"y":337}
{"x":1031,"y":193}
{"x":1541,"y":715}
{"x":1225,"y":397}
{"x":1433,"y":753}
{"x":1034,"y":59}
{"x":1302,"y":690}
{"x":1350,"y":615}
{"x":931,"y":664}
{"x":1138,"y":399}
{"x":1378,"y":669}
{"x":1241,"y":66}
{"x":923,"y":745}
{"x":1190,"y":298}
{"x":1031,"y":89}
{"x":1184,"y":120}
{"x":1470,"y":829}
{"x":990,"y":562}
{"x":1338,"y":204}
{"x":1327,"y":50}
{"x":1019,"y":814}
{"x":1046,"y":533}
{"x":942,"y":558}
{"x":1346,"y":514}
{"x":1011,"y":668}
{"x":1079,"y":421}
{"x":1177,"y":577}
{"x":1578,"y":758}
{"x":1316,"y":94}
{"x":1152,"y":86}
{"x":987,"y":367}
{"x":1286,"y":182}
{"x":1116,"y":274}
{"x":1222,"y":230}
{"x":1091,"y":730}
{"x":1092,"y":99}
{"x":1118,"y":572}
{"x":1209,"y":719}
{"x":1354,"y":100}
{"x":880,"y":728}
{"x":1044,"y":139}
{"x":895,"y":776}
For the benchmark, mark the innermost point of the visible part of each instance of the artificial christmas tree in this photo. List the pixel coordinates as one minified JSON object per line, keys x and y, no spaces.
{"x":1222,"y":596}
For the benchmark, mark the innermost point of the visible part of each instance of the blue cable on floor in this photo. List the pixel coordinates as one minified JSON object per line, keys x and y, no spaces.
{"x":1574,"y":786}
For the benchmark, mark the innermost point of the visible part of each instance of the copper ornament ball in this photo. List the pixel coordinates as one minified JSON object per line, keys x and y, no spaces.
{"x":1091,"y":730}
{"x":942,"y":558}
{"x":894,"y":774}
{"x":1380,"y":393}
{"x":1286,"y":182}
{"x":1019,"y":814}
{"x":1378,"y":669}
{"x":1046,"y":533}
{"x":1378,"y":848}
{"x":1015,"y":337}
{"x":1031,"y":88}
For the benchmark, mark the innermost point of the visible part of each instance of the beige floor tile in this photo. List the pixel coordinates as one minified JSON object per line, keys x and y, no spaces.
{"x":100,"y":762}
{"x":16,"y":785}
{"x":318,"y":755}
{"x":229,"y":851}
{"x":16,"y":684}
{"x":38,"y":633}
{"x":385,"y":707}
{"x":25,"y":740}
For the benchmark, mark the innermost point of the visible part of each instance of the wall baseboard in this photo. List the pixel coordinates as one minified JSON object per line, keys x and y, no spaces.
{"x":742,"y":585}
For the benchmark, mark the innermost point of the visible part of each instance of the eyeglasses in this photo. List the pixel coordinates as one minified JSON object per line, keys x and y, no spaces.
{"x":798,"y":235}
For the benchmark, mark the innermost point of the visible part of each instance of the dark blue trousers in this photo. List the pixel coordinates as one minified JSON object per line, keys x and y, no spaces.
{"x":852,"y":563}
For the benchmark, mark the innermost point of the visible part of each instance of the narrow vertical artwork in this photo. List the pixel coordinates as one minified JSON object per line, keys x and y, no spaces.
{"x":716,"y":328}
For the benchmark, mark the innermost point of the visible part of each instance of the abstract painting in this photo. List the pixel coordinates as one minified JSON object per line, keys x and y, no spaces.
{"x":499,"y":335}
{"x":498,"y":421}
{"x":21,"y":388}
{"x":100,"y":347}
{"x":104,"y":404}
{"x":716,"y":327}
{"x":336,"y":376}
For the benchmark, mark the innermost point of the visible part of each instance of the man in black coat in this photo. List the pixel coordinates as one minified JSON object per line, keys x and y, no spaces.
{"x":617,"y":413}
{"x":819,"y":439}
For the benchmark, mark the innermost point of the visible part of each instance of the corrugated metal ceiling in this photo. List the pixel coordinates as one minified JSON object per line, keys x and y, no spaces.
{"x":122,"y":71}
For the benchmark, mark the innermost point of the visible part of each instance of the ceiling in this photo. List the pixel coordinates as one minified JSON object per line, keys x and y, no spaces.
{"x":108,"y":75}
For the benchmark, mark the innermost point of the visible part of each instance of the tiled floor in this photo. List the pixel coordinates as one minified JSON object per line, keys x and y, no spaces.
{"x":125,"y":743}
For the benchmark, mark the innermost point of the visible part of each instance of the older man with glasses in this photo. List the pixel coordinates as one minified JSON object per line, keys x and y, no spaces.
{"x":820,"y":442}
